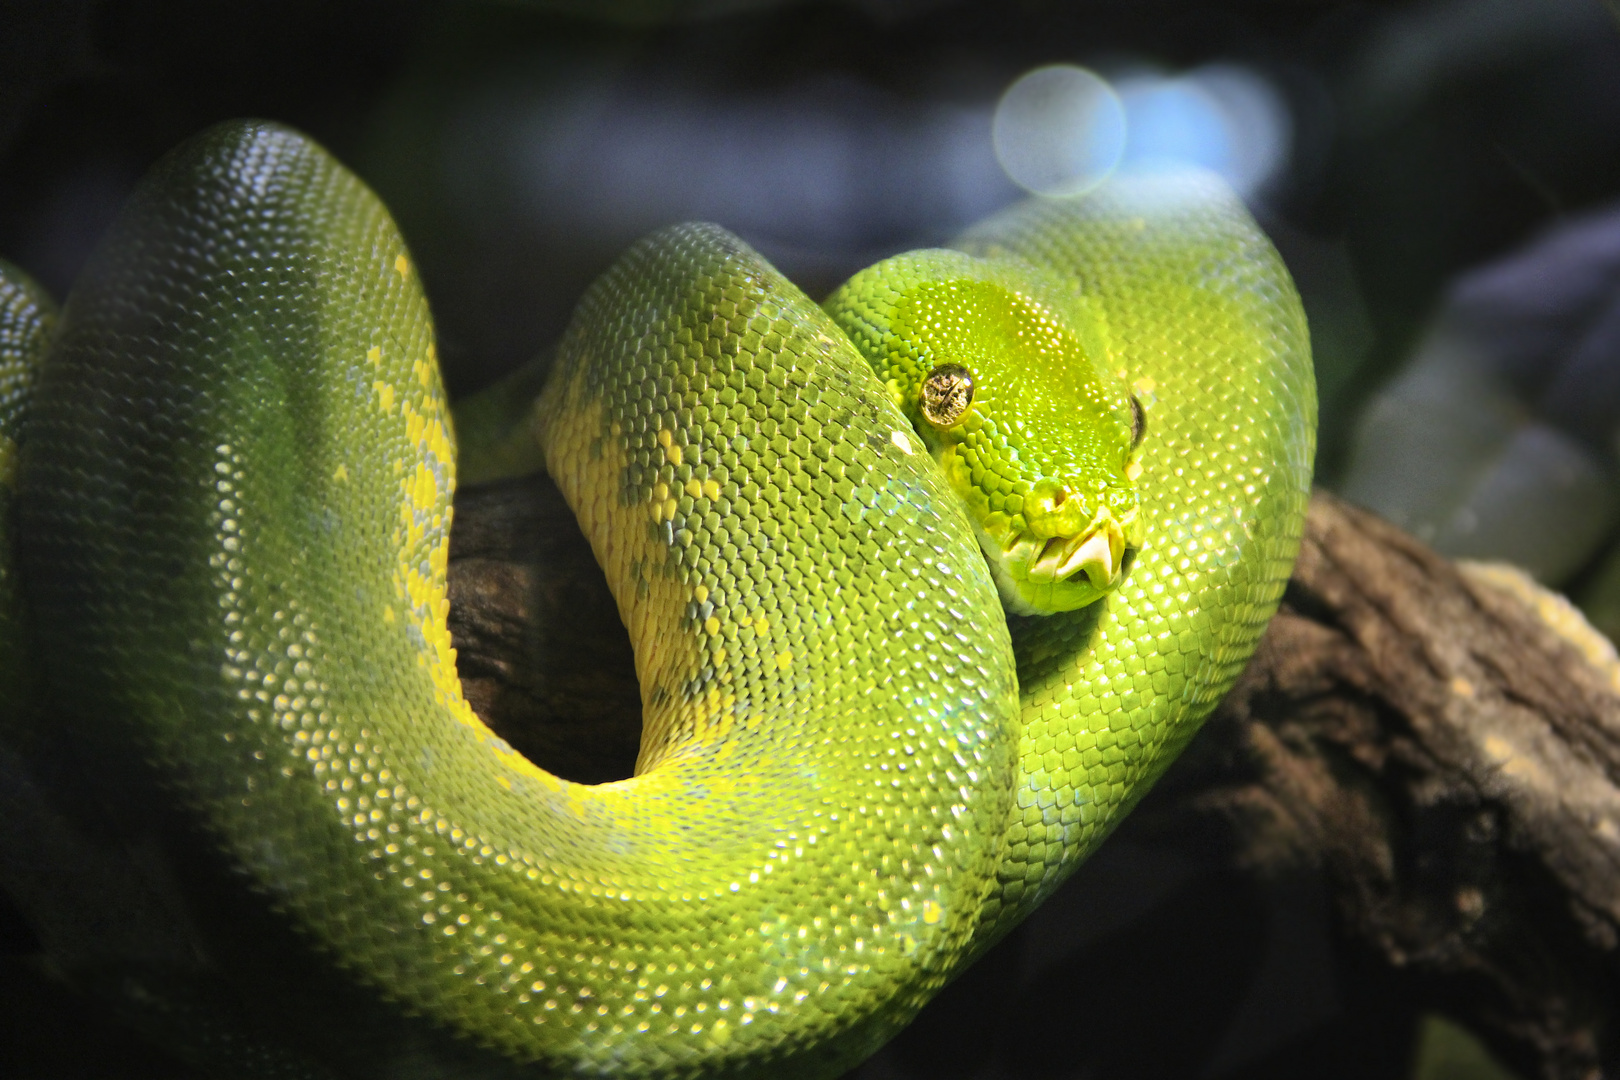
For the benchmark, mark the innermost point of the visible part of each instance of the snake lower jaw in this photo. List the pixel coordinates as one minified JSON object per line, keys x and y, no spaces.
{"x":1042,"y":575}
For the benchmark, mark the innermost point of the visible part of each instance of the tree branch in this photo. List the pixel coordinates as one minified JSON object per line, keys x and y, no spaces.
{"x":1451,"y":760}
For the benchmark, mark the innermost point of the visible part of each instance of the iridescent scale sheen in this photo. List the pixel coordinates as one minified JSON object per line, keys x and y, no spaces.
{"x":235,"y":505}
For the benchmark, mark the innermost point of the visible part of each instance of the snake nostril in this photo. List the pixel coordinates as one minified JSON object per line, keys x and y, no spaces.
{"x":1060,"y":496}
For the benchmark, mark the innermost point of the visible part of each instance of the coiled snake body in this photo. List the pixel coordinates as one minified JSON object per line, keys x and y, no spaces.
{"x":231,"y":519}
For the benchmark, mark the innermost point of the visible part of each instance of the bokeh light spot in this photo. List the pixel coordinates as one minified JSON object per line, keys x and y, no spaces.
{"x":1059,"y":130}
{"x":1223,"y":117}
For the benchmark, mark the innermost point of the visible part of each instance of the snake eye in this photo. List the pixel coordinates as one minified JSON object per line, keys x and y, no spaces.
{"x":946,"y":394}
{"x":1138,"y":422}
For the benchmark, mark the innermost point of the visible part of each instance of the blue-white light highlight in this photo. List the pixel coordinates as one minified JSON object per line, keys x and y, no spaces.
{"x":1061,"y":130}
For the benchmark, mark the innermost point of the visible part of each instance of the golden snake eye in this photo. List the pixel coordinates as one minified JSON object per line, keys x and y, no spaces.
{"x":1138,"y":422}
{"x":946,"y":394}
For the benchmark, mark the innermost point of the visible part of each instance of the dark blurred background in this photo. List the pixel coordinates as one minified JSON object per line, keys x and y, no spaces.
{"x":521,"y":149}
{"x":1388,"y":147}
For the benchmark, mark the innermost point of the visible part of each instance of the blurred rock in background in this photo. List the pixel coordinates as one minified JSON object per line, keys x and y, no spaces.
{"x":1498,"y":439}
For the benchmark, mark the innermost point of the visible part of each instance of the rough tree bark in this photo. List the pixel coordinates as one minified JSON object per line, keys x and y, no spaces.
{"x":1452,"y":761}
{"x":1420,"y":735}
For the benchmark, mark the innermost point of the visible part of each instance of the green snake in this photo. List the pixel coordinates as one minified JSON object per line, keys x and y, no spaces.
{"x":228,"y":473}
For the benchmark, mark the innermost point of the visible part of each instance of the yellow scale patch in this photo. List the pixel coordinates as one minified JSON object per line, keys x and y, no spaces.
{"x":672,"y":449}
{"x":425,"y":508}
{"x":666,"y":657}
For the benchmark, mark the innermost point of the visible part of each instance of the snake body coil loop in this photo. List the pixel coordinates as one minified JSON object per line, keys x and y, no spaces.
{"x":235,"y":499}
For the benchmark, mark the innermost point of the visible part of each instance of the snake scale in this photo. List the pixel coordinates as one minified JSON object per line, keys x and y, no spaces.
{"x":228,"y":473}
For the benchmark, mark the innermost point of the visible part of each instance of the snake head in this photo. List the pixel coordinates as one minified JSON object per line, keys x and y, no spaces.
{"x":1005,"y":374}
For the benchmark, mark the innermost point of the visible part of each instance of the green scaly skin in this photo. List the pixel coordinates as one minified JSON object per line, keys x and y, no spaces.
{"x":235,"y":502}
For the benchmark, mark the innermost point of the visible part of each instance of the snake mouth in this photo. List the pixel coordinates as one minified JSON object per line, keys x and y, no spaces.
{"x":1047,"y":574}
{"x":1098,"y":554}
